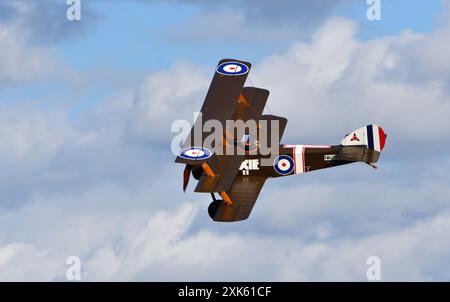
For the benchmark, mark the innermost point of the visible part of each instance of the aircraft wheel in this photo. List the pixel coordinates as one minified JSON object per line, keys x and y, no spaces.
{"x":213,"y":207}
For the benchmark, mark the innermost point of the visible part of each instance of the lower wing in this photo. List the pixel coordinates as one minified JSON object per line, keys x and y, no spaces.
{"x":243,"y":192}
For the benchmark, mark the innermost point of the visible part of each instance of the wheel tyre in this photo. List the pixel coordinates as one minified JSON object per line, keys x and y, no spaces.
{"x":213,"y":207}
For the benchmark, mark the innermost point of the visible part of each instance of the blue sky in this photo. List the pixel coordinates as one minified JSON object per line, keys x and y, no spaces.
{"x":85,"y":161}
{"x":136,"y":37}
{"x":146,"y":47}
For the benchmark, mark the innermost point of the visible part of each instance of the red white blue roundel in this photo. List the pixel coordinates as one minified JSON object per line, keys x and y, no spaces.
{"x":283,"y":164}
{"x":232,"y":68}
{"x":195,"y":153}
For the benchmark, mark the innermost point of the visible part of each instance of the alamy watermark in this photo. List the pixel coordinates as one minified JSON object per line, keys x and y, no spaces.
{"x":73,"y":272}
{"x":374,"y":11}
{"x":74,"y":10}
{"x":373,"y":272}
{"x":229,"y":137}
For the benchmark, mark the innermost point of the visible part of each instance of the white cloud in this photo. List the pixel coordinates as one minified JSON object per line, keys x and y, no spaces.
{"x":164,"y":97}
{"x":165,"y":248}
{"x":20,"y":61}
{"x":22,"y":262}
{"x":261,"y":23}
{"x":335,"y":83}
{"x":327,"y":210}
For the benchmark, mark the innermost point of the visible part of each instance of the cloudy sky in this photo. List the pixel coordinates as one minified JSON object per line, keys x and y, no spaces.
{"x":86,"y":167}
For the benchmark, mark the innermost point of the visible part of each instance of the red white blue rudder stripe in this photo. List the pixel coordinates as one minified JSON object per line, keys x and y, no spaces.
{"x":376,"y":138}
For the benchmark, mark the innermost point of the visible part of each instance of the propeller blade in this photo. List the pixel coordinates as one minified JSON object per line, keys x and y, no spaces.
{"x":186,"y":176}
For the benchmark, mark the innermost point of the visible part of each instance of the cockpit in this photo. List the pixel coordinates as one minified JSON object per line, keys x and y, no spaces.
{"x":247,"y":142}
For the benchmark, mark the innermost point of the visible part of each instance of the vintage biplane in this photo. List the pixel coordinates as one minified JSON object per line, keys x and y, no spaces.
{"x":238,"y":177}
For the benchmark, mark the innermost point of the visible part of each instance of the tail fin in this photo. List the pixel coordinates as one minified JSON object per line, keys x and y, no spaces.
{"x":371,"y":136}
{"x":364,"y":144}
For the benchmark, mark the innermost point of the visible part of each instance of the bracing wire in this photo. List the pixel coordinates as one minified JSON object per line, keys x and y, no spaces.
{"x":252,"y":85}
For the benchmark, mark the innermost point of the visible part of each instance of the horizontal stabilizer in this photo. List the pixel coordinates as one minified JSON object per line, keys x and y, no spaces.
{"x":358,"y":153}
{"x":271,"y":122}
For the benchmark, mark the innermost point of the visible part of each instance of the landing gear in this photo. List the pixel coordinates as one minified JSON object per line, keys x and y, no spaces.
{"x":214,"y":206}
{"x":213,"y":197}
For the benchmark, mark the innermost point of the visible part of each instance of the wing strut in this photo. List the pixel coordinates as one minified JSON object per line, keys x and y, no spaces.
{"x":209,"y":172}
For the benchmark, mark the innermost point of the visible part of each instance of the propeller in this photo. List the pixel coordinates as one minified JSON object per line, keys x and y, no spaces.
{"x":186,"y":176}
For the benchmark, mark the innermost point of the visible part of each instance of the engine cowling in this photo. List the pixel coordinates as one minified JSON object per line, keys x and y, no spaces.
{"x":197,"y":172}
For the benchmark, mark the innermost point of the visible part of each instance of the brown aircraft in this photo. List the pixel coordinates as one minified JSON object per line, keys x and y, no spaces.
{"x":236,"y":169}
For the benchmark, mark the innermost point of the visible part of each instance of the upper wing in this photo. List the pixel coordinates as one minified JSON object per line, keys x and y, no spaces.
{"x":243,"y":192}
{"x":273,"y":118}
{"x":222,"y":98}
{"x":251,"y":104}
